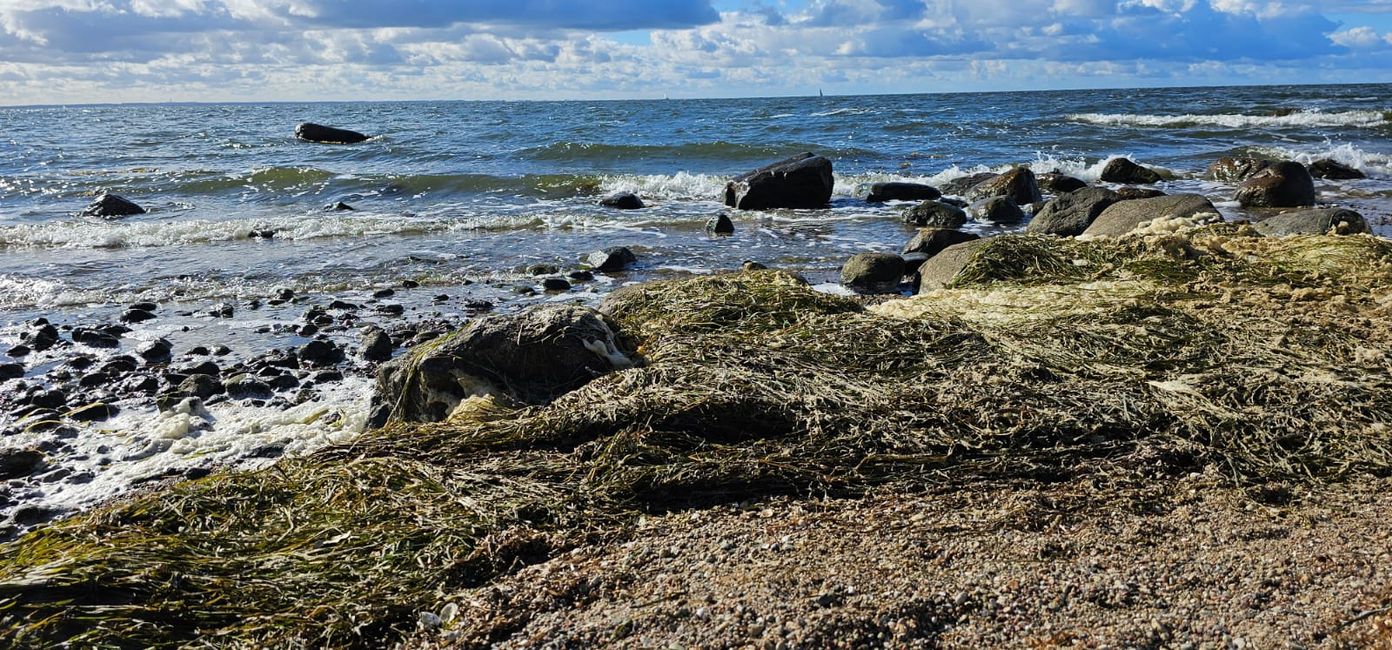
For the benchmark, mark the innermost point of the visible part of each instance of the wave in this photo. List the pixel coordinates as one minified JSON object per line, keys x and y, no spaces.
{"x":1375,"y":165}
{"x":710,"y":151}
{"x":843,"y":111}
{"x":1362,"y":119}
{"x":141,"y":234}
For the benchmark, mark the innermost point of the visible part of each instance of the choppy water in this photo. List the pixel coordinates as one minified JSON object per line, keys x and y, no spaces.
{"x":463,"y":195}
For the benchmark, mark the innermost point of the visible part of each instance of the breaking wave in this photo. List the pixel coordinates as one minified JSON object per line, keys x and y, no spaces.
{"x":1362,"y":119}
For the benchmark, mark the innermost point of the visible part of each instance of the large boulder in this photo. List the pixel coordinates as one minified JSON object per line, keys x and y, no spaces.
{"x":1125,"y":216}
{"x":1316,"y":221}
{"x":1070,"y":214}
{"x":1018,"y":184}
{"x":530,"y":357}
{"x":941,"y":270}
{"x":311,"y":132}
{"x":1123,"y":170}
{"x":901,"y":191}
{"x":1056,"y":182}
{"x":1234,"y":170}
{"x":803,"y":181}
{"x":111,"y":206}
{"x":1285,"y":184}
{"x":1334,"y":170}
{"x":935,"y":214}
{"x":998,"y":209}
{"x":931,"y":241}
{"x":873,"y":272}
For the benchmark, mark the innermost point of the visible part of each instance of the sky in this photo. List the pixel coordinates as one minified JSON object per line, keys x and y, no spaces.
{"x":95,"y":51}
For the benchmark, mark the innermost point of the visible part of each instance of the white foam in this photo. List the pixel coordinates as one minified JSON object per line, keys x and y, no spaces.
{"x":678,"y":186}
{"x":1363,"y":119}
{"x":138,"y":234}
{"x":1376,"y":165}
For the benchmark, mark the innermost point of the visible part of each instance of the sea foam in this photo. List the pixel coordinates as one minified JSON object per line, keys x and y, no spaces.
{"x":1300,"y":119}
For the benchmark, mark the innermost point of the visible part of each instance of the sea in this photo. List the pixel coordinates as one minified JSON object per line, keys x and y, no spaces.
{"x":462,"y":197}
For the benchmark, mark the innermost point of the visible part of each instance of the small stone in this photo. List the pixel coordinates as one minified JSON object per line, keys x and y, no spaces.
{"x":11,"y":371}
{"x":383,"y":293}
{"x":94,"y":412}
{"x":320,"y":353}
{"x":610,"y":260}
{"x":19,"y":463}
{"x":555,"y":284}
{"x":720,"y":225}
{"x":543,"y":269}
{"x":201,"y":386}
{"x":156,"y":351}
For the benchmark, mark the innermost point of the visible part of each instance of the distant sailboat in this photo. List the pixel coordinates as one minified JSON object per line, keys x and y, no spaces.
{"x":820,"y":93}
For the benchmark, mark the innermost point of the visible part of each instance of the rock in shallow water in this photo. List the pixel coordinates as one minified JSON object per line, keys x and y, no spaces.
{"x":1123,"y":170}
{"x":1286,"y":184}
{"x":931,"y":241}
{"x":803,"y":181}
{"x":901,"y":191}
{"x":622,"y":201}
{"x":311,"y":132}
{"x":611,"y":260}
{"x":935,"y":214}
{"x":1018,"y":184}
{"x":1334,"y":170}
{"x":111,"y":206}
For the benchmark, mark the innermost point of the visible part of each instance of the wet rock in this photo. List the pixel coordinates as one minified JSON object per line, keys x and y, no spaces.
{"x":200,"y":386}
{"x":44,"y":337}
{"x":383,"y":293}
{"x":137,"y":316}
{"x":156,"y":351}
{"x":1068,"y":215}
{"x":611,"y":260}
{"x":412,"y":284}
{"x":311,"y":132}
{"x":1285,"y":184}
{"x":320,"y":353}
{"x":111,"y":206}
{"x":1018,"y":184}
{"x":580,"y":276}
{"x":221,"y":350}
{"x":327,"y":377}
{"x":1124,"y":216}
{"x":931,"y":241}
{"x":261,"y":234}
{"x":52,"y":398}
{"x":1317,"y":221}
{"x":11,"y":371}
{"x":960,"y":186}
{"x":942,"y":269}
{"x":873,"y":272}
{"x":94,"y":380}
{"x":720,"y":225}
{"x":1334,"y":170}
{"x":284,"y":382}
{"x":622,"y":201}
{"x":935,"y":214}
{"x":30,"y":515}
{"x":221,"y":310}
{"x":998,"y":209}
{"x":119,"y":365}
{"x":900,"y":191}
{"x":751,"y":265}
{"x":1234,"y":170}
{"x":1123,"y":170}
{"x":1129,"y":193}
{"x":1058,"y":183}
{"x":94,"y":412}
{"x":143,"y":306}
{"x":340,"y":207}
{"x":391,"y":309}
{"x":532,"y":357}
{"x":376,"y":345}
{"x":94,"y":338}
{"x":19,"y":463}
{"x":20,"y":350}
{"x":246,"y":386}
{"x":555,"y":284}
{"x":201,"y":368}
{"x":81,"y":362}
{"x":543,"y":269}
{"x":803,"y":181}
{"x":138,"y":384}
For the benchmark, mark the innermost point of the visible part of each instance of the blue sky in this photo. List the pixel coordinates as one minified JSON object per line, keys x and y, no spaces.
{"x":62,"y":51}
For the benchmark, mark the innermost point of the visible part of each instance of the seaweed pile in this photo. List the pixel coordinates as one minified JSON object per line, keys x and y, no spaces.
{"x":1045,"y":360}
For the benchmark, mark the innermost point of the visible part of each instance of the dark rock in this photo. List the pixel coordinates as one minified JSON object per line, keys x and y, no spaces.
{"x":334,"y":304}
{"x":11,"y":371}
{"x":221,"y":310}
{"x":246,"y":386}
{"x":201,"y":386}
{"x":119,"y":365}
{"x":611,"y":260}
{"x":137,"y":316}
{"x":533,"y":357}
{"x":383,"y":293}
{"x":202,"y":368}
{"x":320,"y":353}
{"x":340,"y":207}
{"x":1315,"y":221}
{"x":942,"y":269}
{"x":873,"y":272}
{"x":221,"y":350}
{"x":1234,"y":170}
{"x":720,"y":224}
{"x":1070,"y":214}
{"x":261,"y":234}
{"x":19,"y":463}
{"x":43,"y":338}
{"x":543,"y":269}
{"x":1124,"y":216}
{"x":94,"y":338}
{"x":93,"y":380}
{"x":53,"y":398}
{"x":144,"y":306}
{"x":580,"y":276}
{"x":900,"y":191}
{"x":960,"y":186}
{"x":81,"y":362}
{"x":19,"y":351}
{"x":751,"y":265}
{"x":308,"y":329}
{"x":555,"y":284}
{"x":935,"y":214}
{"x":622,"y":201}
{"x":1058,"y":183}
{"x":284,"y":382}
{"x":32,"y":514}
{"x":411,"y":284}
{"x":138,"y":384}
{"x":376,"y":345}
{"x":94,"y":412}
{"x":311,"y":132}
{"x":444,"y":297}
{"x":1129,"y":193}
{"x":156,"y":351}
{"x":1122,"y":170}
{"x":393,"y":309}
{"x":931,"y":241}
{"x":327,"y":377}
{"x":1018,"y":184}
{"x":803,"y":181}
{"x":478,"y":306}
{"x":1284,"y":184}
{"x":110,"y":206}
{"x":998,"y":209}
{"x":524,"y":290}
{"x":1334,"y":170}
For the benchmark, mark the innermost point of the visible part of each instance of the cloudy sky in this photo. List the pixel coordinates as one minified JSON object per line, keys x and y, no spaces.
{"x":63,"y":51}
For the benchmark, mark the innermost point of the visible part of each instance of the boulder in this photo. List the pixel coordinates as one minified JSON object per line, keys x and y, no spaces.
{"x":1070,"y":214}
{"x":1315,"y":221}
{"x":11,"y":371}
{"x":931,"y":241}
{"x":1334,"y":170}
{"x":320,"y":353}
{"x":311,"y":132}
{"x":200,"y":386}
{"x":1125,"y":216}
{"x":339,"y":207}
{"x":1129,"y":193}
{"x":156,"y":351}
{"x":900,"y":191}
{"x":960,"y":186}
{"x":941,"y":269}
{"x":1058,"y":183}
{"x":1234,"y":170}
{"x":1123,"y":170}
{"x":555,"y":285}
{"x":611,"y":260}
{"x":622,"y":201}
{"x":1285,"y":184}
{"x":720,"y":225}
{"x":1018,"y":184}
{"x":110,"y":206}
{"x":803,"y":181}
{"x":532,"y":357}
{"x":376,"y":345}
{"x":997,"y":209}
{"x":935,"y":214}
{"x":19,"y":463}
{"x":873,"y":272}
{"x":247,"y":386}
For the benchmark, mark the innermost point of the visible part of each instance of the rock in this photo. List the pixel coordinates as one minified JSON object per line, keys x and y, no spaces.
{"x":873,"y":272}
{"x":622,"y":201}
{"x":43,"y":338}
{"x":246,"y":386}
{"x":1058,"y":183}
{"x":137,"y":316}
{"x":997,"y":209}
{"x":1123,"y":170}
{"x":1234,"y":170}
{"x":580,"y":275}
{"x":1018,"y":184}
{"x":611,"y":260}
{"x":376,"y":345}
{"x":311,"y":132}
{"x":901,"y":191}
{"x":1124,"y":216}
{"x":960,"y":186}
{"x":532,"y":357}
{"x":19,"y":463}
{"x":384,"y":293}
{"x":320,"y":353}
{"x":803,"y":181}
{"x":555,"y":284}
{"x":720,"y":225}
{"x":941,"y":269}
{"x":1068,"y":215}
{"x":53,"y":398}
{"x":1284,"y":184}
{"x":1316,"y":221}
{"x":202,"y":368}
{"x":11,"y":371}
{"x":1334,"y":170}
{"x":931,"y":241}
{"x":412,"y":284}
{"x":340,"y":207}
{"x":391,"y":308}
{"x":19,"y":351}
{"x":94,"y":412}
{"x":935,"y":214}
{"x":1129,"y":193}
{"x":543,"y":269}
{"x":94,"y":338}
{"x":200,"y":386}
{"x":751,"y":265}
{"x":110,"y":206}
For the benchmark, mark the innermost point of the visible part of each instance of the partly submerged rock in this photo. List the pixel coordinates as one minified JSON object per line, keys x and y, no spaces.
{"x":803,"y":181}
{"x":1018,"y":184}
{"x":935,"y":214}
{"x":1070,"y":214}
{"x":931,"y":241}
{"x":311,"y":132}
{"x":998,"y":209}
{"x":1123,"y":170}
{"x":1125,"y":216}
{"x":1316,"y":221}
{"x":611,"y":260}
{"x":111,"y":206}
{"x":1285,"y":184}
{"x":622,"y":201}
{"x":1334,"y":170}
{"x":873,"y":272}
{"x":1056,"y":182}
{"x":532,"y":357}
{"x":960,"y":186}
{"x":901,"y":191}
{"x":720,"y":225}
{"x":1234,"y":170}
